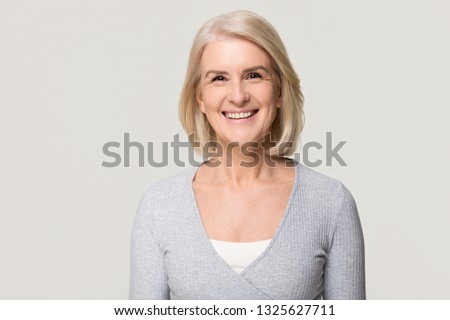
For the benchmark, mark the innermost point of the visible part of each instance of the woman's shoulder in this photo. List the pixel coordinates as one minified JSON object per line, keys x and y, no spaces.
{"x":161,"y":204}
{"x":320,"y":185}
{"x":171,"y":188}
{"x":324,"y":196}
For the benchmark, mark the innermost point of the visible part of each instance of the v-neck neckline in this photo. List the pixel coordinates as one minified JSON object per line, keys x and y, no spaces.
{"x":206,"y":240}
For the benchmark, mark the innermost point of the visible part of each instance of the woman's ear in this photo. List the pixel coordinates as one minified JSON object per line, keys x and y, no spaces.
{"x":280,"y":99}
{"x":198,"y":96}
{"x":279,"y":90}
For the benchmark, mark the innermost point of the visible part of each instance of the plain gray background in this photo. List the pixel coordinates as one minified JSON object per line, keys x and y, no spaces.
{"x":77,"y":74}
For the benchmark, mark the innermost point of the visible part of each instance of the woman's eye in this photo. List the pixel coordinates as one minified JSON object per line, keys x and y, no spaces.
{"x":254,"y":75}
{"x":218,"y":78}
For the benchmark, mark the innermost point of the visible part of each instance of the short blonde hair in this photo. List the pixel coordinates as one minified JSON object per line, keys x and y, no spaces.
{"x":289,"y":120}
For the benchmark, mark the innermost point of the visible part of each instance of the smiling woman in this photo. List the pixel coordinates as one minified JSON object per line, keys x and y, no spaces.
{"x":240,"y":101}
{"x":272,"y":230}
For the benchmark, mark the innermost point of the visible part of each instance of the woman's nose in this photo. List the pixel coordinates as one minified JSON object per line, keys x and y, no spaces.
{"x":238,"y":94}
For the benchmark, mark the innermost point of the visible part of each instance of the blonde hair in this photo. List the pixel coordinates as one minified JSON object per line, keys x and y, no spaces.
{"x":289,"y":120}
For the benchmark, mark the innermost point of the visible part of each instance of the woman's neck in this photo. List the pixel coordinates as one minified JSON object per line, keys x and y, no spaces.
{"x":240,"y":167}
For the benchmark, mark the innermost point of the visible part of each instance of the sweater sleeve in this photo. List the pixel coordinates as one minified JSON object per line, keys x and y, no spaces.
{"x":344,"y":275}
{"x":148,"y":277}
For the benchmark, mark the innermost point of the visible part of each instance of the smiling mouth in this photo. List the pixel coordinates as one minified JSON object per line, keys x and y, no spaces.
{"x":240,"y":115}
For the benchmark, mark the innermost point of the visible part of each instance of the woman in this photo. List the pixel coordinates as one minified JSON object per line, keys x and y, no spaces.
{"x":249,"y":223}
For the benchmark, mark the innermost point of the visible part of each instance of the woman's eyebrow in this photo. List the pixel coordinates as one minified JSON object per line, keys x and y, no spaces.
{"x":215,"y":72}
{"x":256,"y":68}
{"x":251,"y":69}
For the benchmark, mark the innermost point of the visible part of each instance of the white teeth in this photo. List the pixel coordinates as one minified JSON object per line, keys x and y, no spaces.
{"x":241,"y":115}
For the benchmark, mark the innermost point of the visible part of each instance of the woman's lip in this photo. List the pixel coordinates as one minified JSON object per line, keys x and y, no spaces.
{"x":241,"y":115}
{"x":240,"y":110}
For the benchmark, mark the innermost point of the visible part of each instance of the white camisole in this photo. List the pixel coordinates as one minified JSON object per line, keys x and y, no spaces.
{"x":239,"y":255}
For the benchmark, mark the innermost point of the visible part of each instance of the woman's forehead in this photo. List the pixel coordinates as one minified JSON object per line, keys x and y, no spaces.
{"x":233,"y":53}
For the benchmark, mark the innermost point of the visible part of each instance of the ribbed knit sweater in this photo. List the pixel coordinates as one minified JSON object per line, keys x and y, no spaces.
{"x":317,"y":251}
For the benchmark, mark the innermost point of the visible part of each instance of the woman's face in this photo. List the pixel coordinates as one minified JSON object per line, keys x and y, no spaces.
{"x":238,"y":92}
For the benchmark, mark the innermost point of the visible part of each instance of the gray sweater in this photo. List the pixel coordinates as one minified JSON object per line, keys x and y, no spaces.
{"x":317,"y":251}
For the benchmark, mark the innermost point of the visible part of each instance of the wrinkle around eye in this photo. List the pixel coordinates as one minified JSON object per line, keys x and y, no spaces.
{"x":253,"y":76}
{"x":216,"y":80}
{"x":258,"y":77}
